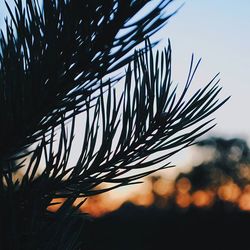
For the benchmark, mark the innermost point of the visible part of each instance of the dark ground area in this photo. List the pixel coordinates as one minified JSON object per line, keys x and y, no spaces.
{"x":131,"y":227}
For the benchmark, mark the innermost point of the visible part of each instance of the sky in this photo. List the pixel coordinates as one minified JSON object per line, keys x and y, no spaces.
{"x":218,"y":31}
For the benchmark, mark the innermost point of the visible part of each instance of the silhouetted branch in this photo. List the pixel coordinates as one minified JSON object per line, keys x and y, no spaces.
{"x":123,"y":134}
{"x":53,"y":58}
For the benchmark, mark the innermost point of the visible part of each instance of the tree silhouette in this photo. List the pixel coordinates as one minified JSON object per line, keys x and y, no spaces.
{"x":229,"y":162}
{"x":58,"y":59}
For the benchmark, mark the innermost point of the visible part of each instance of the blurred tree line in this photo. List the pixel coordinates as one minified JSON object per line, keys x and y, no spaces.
{"x":215,"y":215}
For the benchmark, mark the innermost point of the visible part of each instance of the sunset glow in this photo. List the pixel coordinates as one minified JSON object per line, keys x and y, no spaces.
{"x":146,"y":195}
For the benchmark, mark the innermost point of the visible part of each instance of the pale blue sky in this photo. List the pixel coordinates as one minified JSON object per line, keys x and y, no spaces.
{"x":219,"y":32}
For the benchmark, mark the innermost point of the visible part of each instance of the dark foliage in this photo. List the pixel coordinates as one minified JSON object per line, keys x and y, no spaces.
{"x":229,"y":162}
{"x":153,"y":228}
{"x":59,"y":59}
{"x":221,"y":224}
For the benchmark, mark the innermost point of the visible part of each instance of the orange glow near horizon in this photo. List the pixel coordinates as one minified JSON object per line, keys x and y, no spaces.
{"x":148,"y":194}
{"x":55,"y":207}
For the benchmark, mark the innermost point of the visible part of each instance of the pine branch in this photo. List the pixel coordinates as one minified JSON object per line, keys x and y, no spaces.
{"x":126,"y":134}
{"x":53,"y":58}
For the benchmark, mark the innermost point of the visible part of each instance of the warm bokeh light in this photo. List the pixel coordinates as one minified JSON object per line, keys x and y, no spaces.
{"x":162,"y":192}
{"x":163,"y":187}
{"x":183,"y":185}
{"x":154,"y":188}
{"x":244,"y":200}
{"x":229,"y":192}
{"x":203,"y":198}
{"x":183,"y":200}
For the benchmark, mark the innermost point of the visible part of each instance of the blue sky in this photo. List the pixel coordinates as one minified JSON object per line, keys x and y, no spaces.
{"x":218,"y":31}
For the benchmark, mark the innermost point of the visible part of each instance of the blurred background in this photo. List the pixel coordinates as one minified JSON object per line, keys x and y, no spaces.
{"x":205,"y":199}
{"x":219,"y":33}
